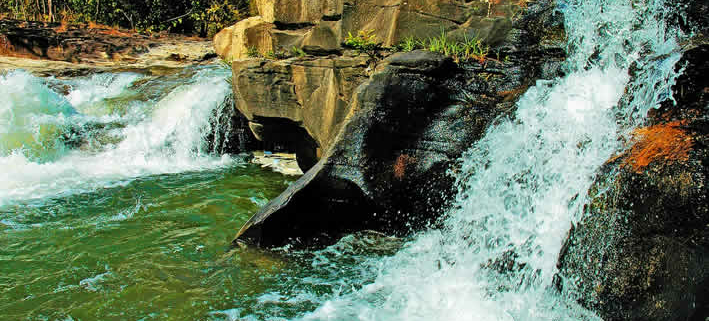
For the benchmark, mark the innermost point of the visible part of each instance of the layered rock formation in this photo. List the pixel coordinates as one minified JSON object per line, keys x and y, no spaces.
{"x":386,"y":132}
{"x":319,"y":27}
{"x":307,"y":98}
{"x":302,"y":102}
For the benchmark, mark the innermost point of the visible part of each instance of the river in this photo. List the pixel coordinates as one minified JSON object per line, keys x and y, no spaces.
{"x":114,"y":204}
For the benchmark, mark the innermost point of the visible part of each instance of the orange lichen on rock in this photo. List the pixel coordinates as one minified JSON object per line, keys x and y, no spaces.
{"x":663,"y":142}
{"x":513,"y":94}
{"x":400,"y":165}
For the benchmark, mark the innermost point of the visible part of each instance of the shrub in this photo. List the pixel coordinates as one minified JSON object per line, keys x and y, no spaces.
{"x":252,"y":52}
{"x":297,"y":52}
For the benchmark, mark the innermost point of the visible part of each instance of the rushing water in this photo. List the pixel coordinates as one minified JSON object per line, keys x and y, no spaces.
{"x":523,"y":184}
{"x":114,"y":204}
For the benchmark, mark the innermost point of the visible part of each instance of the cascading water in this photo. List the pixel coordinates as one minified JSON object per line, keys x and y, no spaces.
{"x":65,"y":136}
{"x":113,"y":207}
{"x":525,"y":182}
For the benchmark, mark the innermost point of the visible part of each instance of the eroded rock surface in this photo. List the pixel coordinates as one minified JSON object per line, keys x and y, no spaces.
{"x":404,"y":128}
{"x":311,"y":92}
{"x":320,"y":27}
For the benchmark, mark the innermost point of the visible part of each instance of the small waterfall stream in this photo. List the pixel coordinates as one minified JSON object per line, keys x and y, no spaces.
{"x":525,"y":182}
{"x":64,"y":136}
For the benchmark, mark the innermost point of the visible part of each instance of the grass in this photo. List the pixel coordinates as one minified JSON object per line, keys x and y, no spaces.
{"x":297,"y":52}
{"x":460,"y":51}
{"x":252,"y":52}
{"x":364,"y":42}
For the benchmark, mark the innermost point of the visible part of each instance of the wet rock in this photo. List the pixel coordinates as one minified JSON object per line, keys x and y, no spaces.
{"x":387,"y":168}
{"x":641,"y":252}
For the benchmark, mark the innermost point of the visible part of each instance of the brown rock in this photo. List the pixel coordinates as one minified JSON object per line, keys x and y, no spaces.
{"x":248,"y":33}
{"x":386,"y":143}
{"x":298,"y":11}
{"x":319,"y":27}
{"x":311,"y":92}
{"x":223,"y":43}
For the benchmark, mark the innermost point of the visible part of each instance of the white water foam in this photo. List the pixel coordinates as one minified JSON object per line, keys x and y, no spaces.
{"x":166,"y":136}
{"x":523,"y":184}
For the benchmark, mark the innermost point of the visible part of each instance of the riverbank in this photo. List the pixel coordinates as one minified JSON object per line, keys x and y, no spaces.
{"x":52,"y":48}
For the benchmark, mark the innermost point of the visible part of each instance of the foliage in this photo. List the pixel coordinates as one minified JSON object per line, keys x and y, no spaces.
{"x":226,"y":64}
{"x":298,"y":52}
{"x":460,"y":51}
{"x":408,"y":44}
{"x":365,"y":41}
{"x":252,"y":52}
{"x":203,"y":17}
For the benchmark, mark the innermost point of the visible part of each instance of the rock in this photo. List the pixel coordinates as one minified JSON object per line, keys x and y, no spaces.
{"x":223,"y":43}
{"x":250,"y":33}
{"x":94,"y":46}
{"x":404,"y":129}
{"x":310,"y":93}
{"x":641,"y":252}
{"x":299,"y":11}
{"x":320,"y":27}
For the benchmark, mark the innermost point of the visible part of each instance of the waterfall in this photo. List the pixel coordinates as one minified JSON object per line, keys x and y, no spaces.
{"x":60,"y":136}
{"x":525,"y":182}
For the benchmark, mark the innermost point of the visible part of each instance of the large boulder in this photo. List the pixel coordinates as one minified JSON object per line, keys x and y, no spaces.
{"x":388,"y":166}
{"x":641,"y":252}
{"x":223,"y":43}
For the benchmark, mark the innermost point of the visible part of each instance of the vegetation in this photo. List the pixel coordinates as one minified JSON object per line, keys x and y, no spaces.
{"x":252,"y":52}
{"x":298,"y":52}
{"x":460,"y":51}
{"x":365,"y":42}
{"x":202,"y":17}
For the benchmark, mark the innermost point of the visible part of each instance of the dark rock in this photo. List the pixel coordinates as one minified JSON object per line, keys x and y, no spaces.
{"x":641,"y":252}
{"x":388,"y":167}
{"x":692,"y":16}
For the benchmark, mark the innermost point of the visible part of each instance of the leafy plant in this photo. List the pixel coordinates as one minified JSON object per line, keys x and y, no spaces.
{"x":204,"y":17}
{"x":252,"y":52}
{"x":365,"y":41}
{"x":297,"y":52}
{"x":226,"y":64}
{"x":474,"y":49}
{"x":278,"y":54}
